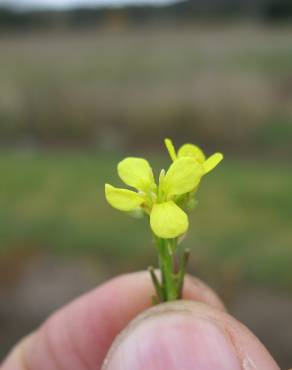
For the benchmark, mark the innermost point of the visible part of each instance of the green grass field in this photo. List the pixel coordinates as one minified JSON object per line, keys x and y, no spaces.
{"x":241,"y":228}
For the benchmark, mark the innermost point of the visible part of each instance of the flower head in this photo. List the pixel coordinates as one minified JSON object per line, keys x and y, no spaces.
{"x":167,"y":219}
{"x":165,"y":203}
{"x":193,"y":151}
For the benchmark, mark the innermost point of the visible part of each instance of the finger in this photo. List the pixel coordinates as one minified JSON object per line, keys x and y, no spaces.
{"x":187,"y":335}
{"x":79,"y":335}
{"x":197,"y":290}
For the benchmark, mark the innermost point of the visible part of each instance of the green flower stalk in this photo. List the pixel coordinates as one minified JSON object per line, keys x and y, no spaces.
{"x":166,"y":204}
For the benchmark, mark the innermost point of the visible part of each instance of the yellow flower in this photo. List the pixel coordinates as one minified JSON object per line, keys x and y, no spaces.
{"x":193,"y":151}
{"x":167,"y":219}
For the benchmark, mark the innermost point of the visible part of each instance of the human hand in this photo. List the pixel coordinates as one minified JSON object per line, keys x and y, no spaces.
{"x":196,"y":334}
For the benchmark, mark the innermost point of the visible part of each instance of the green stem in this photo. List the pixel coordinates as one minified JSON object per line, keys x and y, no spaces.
{"x":156,"y":283}
{"x":166,"y":250}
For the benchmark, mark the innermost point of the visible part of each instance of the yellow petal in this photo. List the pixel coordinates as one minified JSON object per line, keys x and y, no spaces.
{"x":167,"y":220}
{"x":136,"y":172}
{"x":190,"y":150}
{"x":182,"y":176}
{"x":212,"y":162}
{"x":122,"y":199}
{"x":170,"y":148}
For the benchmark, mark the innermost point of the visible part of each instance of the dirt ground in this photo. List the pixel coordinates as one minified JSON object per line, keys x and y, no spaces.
{"x":45,"y":283}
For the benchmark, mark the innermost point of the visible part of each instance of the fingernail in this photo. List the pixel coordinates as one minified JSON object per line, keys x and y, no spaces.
{"x":173,"y":341}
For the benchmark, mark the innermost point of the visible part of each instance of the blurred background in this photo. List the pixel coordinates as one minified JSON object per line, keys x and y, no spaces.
{"x":83,"y":84}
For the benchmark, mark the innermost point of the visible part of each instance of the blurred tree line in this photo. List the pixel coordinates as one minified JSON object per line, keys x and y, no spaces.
{"x":184,"y":11}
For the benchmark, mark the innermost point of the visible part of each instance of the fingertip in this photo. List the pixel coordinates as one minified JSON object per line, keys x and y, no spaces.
{"x":195,"y":289}
{"x":183,"y":335}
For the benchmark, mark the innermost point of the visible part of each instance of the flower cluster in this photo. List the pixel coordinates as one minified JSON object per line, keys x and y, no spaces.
{"x":167,"y":201}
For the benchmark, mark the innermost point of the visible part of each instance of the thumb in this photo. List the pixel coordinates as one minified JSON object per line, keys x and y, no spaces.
{"x":187,"y":336}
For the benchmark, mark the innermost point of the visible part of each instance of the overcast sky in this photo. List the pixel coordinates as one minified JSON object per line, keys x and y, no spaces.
{"x":59,"y":4}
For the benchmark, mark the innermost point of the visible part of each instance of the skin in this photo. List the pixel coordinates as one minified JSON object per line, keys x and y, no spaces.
{"x":114,"y":327}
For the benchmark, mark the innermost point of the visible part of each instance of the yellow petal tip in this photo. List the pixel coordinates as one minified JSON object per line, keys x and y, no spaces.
{"x":170,"y":148}
{"x":212,"y":162}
